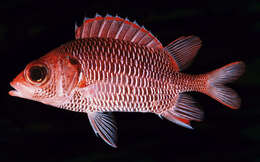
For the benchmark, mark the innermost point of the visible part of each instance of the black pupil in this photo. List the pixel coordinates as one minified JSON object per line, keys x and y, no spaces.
{"x":37,"y":73}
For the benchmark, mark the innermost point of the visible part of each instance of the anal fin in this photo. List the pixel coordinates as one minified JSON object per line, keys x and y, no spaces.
{"x":183,"y":111}
{"x":179,"y":121}
{"x":104,"y":125}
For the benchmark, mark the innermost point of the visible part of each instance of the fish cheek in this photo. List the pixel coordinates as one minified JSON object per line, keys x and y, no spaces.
{"x":70,"y":73}
{"x":46,"y":92}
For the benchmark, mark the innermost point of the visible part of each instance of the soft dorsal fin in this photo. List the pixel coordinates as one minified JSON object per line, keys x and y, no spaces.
{"x":183,"y":50}
{"x":117,"y":28}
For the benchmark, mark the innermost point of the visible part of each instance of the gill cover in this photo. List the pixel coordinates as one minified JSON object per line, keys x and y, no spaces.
{"x":70,"y":70}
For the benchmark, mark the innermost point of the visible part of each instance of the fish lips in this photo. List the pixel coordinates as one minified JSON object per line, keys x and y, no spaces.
{"x":14,"y":92}
{"x":17,"y":90}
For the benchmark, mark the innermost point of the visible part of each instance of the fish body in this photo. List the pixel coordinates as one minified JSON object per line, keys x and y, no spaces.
{"x":123,"y":76}
{"x":116,"y":65}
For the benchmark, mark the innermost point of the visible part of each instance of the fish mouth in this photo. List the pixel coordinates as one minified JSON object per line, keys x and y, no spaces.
{"x":15,"y":92}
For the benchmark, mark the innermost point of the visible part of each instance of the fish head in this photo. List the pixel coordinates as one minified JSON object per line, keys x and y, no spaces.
{"x":49,"y":80}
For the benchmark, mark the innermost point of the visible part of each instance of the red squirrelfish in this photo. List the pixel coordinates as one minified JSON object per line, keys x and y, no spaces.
{"x":114,"y":65}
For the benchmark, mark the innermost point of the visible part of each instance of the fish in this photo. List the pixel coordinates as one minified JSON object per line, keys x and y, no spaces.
{"x":115,"y":65}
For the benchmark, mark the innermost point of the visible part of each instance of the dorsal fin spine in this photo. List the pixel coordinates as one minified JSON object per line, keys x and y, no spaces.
{"x":108,"y":30}
{"x":90,"y":26}
{"x":92,"y":29}
{"x":97,"y":15}
{"x":135,"y":35}
{"x":149,"y":43}
{"x":130,"y":27}
{"x":119,"y":30}
{"x":143,"y":35}
{"x":101,"y":27}
{"x":85,"y":18}
{"x":124,"y":23}
{"x":108,"y":15}
{"x":105,"y":25}
{"x":83,"y":30}
{"x":143,"y":30}
{"x":115,"y":28}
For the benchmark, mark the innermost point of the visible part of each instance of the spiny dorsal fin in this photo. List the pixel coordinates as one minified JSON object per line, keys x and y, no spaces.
{"x":183,"y":50}
{"x":117,"y":28}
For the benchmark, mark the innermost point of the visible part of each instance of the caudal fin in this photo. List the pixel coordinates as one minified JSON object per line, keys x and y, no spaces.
{"x":216,"y":84}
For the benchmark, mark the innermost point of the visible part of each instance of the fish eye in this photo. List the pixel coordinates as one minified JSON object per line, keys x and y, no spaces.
{"x":37,"y":74}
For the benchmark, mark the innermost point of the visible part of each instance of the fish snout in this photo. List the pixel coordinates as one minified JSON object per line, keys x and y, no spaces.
{"x":17,"y":85}
{"x":15,"y":91}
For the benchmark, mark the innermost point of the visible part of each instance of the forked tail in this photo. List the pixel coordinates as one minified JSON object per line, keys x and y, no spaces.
{"x":216,"y":84}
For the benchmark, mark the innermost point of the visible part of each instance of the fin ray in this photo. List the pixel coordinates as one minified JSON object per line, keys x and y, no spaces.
{"x":183,"y":50}
{"x":179,"y":121}
{"x":216,"y":88}
{"x":104,"y":126}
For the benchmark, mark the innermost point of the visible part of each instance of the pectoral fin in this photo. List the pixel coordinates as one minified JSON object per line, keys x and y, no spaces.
{"x":105,"y":126}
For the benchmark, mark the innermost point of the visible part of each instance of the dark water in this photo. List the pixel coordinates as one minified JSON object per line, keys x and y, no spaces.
{"x":33,"y":132}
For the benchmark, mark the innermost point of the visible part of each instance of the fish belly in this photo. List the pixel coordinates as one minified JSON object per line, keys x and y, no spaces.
{"x":130,"y":98}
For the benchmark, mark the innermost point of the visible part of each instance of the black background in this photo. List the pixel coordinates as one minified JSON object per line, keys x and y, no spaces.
{"x":34,"y":132}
